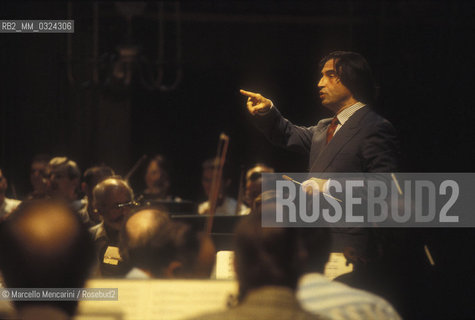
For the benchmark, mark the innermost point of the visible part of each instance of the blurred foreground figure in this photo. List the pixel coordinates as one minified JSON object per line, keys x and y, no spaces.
{"x":157,"y":247}
{"x":6,"y":205}
{"x":113,"y":201}
{"x":333,"y":299}
{"x":195,"y":252}
{"x":267,"y":262}
{"x":147,"y":242}
{"x":45,"y":245}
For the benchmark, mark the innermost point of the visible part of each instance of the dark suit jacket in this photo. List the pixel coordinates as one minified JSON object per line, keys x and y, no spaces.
{"x":365,"y":143}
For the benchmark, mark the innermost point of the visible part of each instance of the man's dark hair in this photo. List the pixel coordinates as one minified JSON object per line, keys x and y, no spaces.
{"x":355,"y":73}
{"x":45,"y":245}
{"x":265,"y":256}
{"x":187,"y":241}
{"x":94,"y":175}
{"x":317,"y":245}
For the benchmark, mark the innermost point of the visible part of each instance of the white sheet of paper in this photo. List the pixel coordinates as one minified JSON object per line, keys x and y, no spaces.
{"x":225,"y":265}
{"x":336,"y":266}
{"x":158,"y":299}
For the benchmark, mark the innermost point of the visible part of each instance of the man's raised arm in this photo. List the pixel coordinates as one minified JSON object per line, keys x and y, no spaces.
{"x":278,"y":130}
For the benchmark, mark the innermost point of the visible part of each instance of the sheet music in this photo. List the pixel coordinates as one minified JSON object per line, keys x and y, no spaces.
{"x":225,"y":265}
{"x":158,"y":299}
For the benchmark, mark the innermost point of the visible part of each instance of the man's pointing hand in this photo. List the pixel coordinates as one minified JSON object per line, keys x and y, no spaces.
{"x":256,"y":103}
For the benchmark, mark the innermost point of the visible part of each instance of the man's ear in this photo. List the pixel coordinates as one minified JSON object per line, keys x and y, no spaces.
{"x":174,"y":269}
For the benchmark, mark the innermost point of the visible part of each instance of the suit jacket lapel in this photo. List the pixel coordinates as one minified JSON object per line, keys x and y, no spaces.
{"x":342,"y":136}
{"x":319,"y":139}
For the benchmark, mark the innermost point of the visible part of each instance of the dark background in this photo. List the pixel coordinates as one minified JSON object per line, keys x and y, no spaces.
{"x":421,"y":53}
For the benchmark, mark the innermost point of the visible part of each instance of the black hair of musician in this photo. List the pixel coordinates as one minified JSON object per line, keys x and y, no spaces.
{"x":265,"y":256}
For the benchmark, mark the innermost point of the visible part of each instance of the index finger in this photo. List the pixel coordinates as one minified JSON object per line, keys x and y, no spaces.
{"x":249,"y":94}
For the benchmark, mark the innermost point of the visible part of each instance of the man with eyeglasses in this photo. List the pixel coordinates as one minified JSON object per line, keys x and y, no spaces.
{"x":113,"y":202}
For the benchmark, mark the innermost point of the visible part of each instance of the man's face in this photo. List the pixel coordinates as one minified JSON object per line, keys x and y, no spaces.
{"x":111,"y":212}
{"x":60,"y":185}
{"x":333,"y":93}
{"x":37,"y":176}
{"x":254,"y":183}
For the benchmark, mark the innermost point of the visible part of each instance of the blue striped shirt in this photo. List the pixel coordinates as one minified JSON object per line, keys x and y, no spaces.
{"x":338,"y":301}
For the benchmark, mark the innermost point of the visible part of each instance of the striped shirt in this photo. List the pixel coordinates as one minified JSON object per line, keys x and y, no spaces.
{"x":337,"y":301}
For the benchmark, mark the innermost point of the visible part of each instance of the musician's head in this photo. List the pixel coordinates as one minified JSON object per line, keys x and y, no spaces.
{"x":38,"y":173}
{"x":210,"y":168}
{"x":195,"y":253}
{"x":345,"y":75}
{"x":63,"y":178}
{"x":45,"y":245}
{"x":254,"y":182}
{"x":113,"y":200}
{"x":316,"y":243}
{"x":91,"y":178}
{"x":266,"y":256}
{"x":157,"y":176}
{"x":148,"y":241}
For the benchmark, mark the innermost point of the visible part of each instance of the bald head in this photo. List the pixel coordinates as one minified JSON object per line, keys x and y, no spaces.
{"x":112,"y":200}
{"x":144,"y":225}
{"x":104,"y":189}
{"x":147,"y":240}
{"x":44,"y":245}
{"x":47,"y":229}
